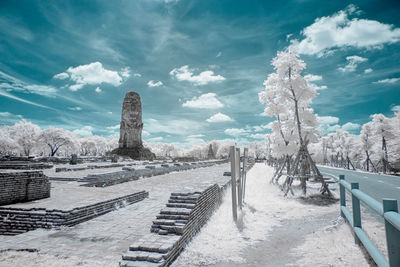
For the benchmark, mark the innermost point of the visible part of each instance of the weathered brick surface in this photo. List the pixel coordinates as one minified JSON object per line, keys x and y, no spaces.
{"x":175,"y":226}
{"x":108,"y":179}
{"x":23,"y":186}
{"x":15,"y":221}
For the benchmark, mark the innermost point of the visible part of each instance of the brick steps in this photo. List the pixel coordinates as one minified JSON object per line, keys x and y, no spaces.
{"x":167,"y":243}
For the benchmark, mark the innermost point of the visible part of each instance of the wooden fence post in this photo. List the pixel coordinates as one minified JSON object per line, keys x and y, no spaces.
{"x":392,"y":234}
{"x":232,"y":154}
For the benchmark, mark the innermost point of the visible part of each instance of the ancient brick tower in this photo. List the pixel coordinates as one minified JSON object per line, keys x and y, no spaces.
{"x":131,"y":122}
{"x":130,"y":139}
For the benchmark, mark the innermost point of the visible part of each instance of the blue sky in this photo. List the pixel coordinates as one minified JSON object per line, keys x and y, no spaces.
{"x":198,"y":65}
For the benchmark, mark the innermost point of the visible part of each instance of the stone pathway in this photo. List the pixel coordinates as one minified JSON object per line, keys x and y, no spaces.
{"x":102,"y":241}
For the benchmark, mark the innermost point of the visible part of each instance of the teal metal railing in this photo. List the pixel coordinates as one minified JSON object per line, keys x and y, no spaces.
{"x":388,"y":211}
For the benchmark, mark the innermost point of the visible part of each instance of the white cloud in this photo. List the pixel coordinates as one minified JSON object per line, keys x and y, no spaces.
{"x":93,"y":74}
{"x":328,"y":124}
{"x":351,"y":126}
{"x":235,"y":131}
{"x":61,"y":76}
{"x":327,"y":120}
{"x":219,"y":117}
{"x":339,"y":31}
{"x":352,"y":63}
{"x":261,"y":128}
{"x":75,"y":108}
{"x":396,"y":108}
{"x":258,"y":136}
{"x":219,"y":54}
{"x":98,"y":90}
{"x":369,"y":70}
{"x":312,"y":77}
{"x":84,"y":131}
{"x":115,"y":127}
{"x":152,"y":83}
{"x":388,"y":81}
{"x":185,"y":74}
{"x":125,"y":72}
{"x":205,"y":101}
{"x":137,"y":75}
{"x":9,"y":117}
{"x":322,"y":87}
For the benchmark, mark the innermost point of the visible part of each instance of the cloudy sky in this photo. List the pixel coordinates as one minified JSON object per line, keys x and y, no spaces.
{"x":197,"y":65}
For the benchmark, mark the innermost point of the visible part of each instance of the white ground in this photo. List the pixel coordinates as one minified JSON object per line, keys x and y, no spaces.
{"x":273,"y":231}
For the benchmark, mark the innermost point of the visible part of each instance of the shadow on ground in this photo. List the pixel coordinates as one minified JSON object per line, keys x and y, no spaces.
{"x":318,"y":200}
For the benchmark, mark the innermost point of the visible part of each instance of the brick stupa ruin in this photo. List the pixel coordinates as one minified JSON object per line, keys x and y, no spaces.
{"x":130,"y":139}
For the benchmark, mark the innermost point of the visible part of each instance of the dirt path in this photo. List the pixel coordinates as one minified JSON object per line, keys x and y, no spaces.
{"x":273,"y":231}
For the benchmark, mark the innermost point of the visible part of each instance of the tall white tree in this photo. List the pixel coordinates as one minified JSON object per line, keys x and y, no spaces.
{"x":383,"y":129}
{"x":8,"y":146}
{"x":25,"y":133}
{"x":367,"y":142}
{"x":55,"y":138}
{"x":288,"y":94}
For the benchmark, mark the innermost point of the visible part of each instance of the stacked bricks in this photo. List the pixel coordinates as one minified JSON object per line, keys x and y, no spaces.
{"x":23,"y":186}
{"x":175,"y":226}
{"x":15,"y":221}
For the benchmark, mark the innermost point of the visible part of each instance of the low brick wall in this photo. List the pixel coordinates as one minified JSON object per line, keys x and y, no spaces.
{"x":25,"y":165}
{"x":15,"y":221}
{"x":23,"y":186}
{"x":175,"y":226}
{"x":108,"y":179}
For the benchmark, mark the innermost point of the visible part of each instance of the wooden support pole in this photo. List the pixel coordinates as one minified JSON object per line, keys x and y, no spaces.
{"x":245,"y":155}
{"x":239,"y":176}
{"x":232,"y":154}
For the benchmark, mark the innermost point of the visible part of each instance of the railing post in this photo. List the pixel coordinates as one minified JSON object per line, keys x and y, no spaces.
{"x":356,"y":211}
{"x":392,"y":234}
{"x":239,"y":175}
{"x":342,"y":195}
{"x":232,"y":153}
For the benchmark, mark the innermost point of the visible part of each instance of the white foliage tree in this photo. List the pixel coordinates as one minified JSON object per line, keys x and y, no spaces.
{"x":25,"y":134}
{"x":383,"y":129}
{"x":288,"y":96}
{"x":8,"y":146}
{"x":55,"y":138}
